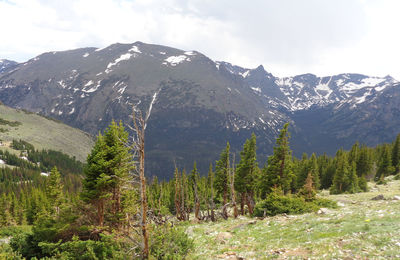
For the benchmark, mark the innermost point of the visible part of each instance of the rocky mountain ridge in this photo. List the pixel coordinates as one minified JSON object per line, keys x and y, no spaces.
{"x":196,"y":105}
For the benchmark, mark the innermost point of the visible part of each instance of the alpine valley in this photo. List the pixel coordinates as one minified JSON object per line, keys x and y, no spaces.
{"x":195,"y":105}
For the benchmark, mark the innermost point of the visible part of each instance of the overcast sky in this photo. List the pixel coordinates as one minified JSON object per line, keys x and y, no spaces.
{"x":287,"y":37}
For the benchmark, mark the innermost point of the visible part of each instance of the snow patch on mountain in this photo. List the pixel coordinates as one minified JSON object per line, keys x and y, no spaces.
{"x":257,"y":90}
{"x":90,"y":82}
{"x":175,"y":60}
{"x":85,"y":55}
{"x":135,"y":49}
{"x":92,"y":89}
{"x":190,"y":53}
{"x":62,"y":84}
{"x":125,"y":56}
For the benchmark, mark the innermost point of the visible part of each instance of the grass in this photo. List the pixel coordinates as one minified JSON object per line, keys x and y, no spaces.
{"x":44,"y":133}
{"x":361,"y":228}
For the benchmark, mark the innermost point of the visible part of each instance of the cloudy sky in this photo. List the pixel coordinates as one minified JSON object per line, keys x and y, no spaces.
{"x":288,"y":37}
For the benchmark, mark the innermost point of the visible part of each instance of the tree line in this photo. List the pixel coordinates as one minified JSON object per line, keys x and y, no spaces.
{"x":111,"y":211}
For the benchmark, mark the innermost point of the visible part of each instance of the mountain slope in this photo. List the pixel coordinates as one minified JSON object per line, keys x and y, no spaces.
{"x":43,"y":133}
{"x":196,"y":105}
{"x":6,"y":65}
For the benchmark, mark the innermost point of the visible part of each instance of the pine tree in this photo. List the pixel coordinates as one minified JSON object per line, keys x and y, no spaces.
{"x":246,"y":172}
{"x":314,"y":170}
{"x":221,"y":181}
{"x":364,"y":162}
{"x":94,"y":188}
{"x":341,"y":174}
{"x":210,"y":180}
{"x":194,"y":177}
{"x":385,"y":167}
{"x":279,"y":173}
{"x":54,"y":190}
{"x":106,"y":172}
{"x":396,"y":154}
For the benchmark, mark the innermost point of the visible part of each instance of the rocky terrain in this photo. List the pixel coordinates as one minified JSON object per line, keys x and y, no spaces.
{"x":360,"y":228}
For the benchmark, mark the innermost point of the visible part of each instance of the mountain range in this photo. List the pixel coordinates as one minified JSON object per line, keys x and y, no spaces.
{"x":195,"y":105}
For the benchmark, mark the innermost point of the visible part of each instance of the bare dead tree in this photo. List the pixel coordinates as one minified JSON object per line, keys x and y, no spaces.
{"x":212,"y":195}
{"x":232,"y":186}
{"x":137,"y":146}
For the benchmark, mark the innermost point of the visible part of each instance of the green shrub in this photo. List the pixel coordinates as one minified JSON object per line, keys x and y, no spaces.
{"x":106,"y":248}
{"x":6,"y":252}
{"x":397,"y":177}
{"x":11,"y":231}
{"x":324,"y":203}
{"x":276,"y":203}
{"x":169,"y":243}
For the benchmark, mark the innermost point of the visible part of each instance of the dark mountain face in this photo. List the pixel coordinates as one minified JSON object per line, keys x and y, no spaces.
{"x":196,"y":105}
{"x":6,"y":65}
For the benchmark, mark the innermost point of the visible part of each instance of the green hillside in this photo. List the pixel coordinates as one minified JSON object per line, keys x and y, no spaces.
{"x":43,"y":133}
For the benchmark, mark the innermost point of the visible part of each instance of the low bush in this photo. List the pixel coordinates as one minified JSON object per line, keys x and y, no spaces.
{"x":276,"y":204}
{"x":169,"y":243}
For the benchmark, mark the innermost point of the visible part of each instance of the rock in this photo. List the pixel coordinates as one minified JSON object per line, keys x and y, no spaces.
{"x":223,"y":236}
{"x":323,"y":211}
{"x":189,"y":231}
{"x":396,"y":197}
{"x":240,"y":226}
{"x":230,"y":256}
{"x":195,"y":221}
{"x":379,"y":197}
{"x":340,"y":204}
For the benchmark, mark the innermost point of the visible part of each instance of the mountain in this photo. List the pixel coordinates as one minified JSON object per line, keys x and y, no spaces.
{"x":43,"y":133}
{"x":6,"y":65}
{"x":196,"y":105}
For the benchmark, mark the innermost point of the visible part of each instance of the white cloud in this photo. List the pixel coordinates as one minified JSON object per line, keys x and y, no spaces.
{"x":288,"y":36}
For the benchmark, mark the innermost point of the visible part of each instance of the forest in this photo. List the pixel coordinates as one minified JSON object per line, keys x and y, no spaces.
{"x":106,"y":209}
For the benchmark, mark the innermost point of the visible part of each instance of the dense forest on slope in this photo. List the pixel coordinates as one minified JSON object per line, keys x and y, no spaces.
{"x":100,"y":217}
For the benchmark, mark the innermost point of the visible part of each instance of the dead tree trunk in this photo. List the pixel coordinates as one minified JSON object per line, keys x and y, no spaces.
{"x":232,"y":186}
{"x":212,"y":199}
{"x":196,"y":200}
{"x":140,"y":125}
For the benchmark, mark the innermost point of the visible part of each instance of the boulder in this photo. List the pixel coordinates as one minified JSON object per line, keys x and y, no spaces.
{"x":223,"y":236}
{"x":323,"y":211}
{"x":340,"y":204}
{"x":396,"y":197}
{"x":379,"y":197}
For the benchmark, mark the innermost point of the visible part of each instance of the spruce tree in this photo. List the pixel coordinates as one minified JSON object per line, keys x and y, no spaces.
{"x":385,"y":167}
{"x":396,"y":154}
{"x":210,"y":181}
{"x":279,"y":173}
{"x":364,"y":162}
{"x":221,"y":174}
{"x":54,"y":190}
{"x":246,"y":173}
{"x":194,"y":179}
{"x":106,"y":172}
{"x":314,"y":170}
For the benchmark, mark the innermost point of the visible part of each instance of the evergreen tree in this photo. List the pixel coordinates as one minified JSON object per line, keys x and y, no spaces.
{"x":221,"y":174}
{"x":210,"y":181}
{"x":396,"y":154}
{"x":314,"y":170}
{"x":385,"y":167}
{"x":364,"y":162}
{"x":106,"y":172}
{"x":54,"y":189}
{"x":341,"y":173}
{"x":194,"y":179}
{"x":279,"y":173}
{"x":246,"y":172}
